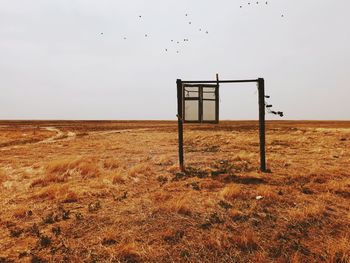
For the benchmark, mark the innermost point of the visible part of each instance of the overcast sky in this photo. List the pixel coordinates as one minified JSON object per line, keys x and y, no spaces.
{"x":68,"y":59}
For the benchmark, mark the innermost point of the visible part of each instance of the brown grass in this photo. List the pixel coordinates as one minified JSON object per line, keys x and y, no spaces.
{"x":117,"y":195}
{"x":179,"y":204}
{"x":3,"y":176}
{"x":339,"y":250}
{"x":144,"y":169}
{"x":230,"y":192}
{"x":118,"y":177}
{"x":247,"y":240}
{"x":87,"y":167}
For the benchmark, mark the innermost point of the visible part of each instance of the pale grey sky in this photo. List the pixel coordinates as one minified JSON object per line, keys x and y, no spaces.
{"x":56,"y":64}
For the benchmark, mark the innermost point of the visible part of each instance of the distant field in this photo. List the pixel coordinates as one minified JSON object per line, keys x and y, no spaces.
{"x":111,"y":191}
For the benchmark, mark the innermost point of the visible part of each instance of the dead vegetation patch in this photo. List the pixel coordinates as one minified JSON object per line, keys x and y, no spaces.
{"x":87,"y":167}
{"x":90,"y":201}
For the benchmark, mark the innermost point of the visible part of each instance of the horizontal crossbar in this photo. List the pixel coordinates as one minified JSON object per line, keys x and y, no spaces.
{"x":220,"y":81}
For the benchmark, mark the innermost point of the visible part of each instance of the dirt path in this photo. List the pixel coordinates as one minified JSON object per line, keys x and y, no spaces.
{"x":59,"y":134}
{"x":117,"y":131}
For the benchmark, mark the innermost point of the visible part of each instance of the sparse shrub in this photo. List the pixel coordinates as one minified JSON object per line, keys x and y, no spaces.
{"x":16,"y":232}
{"x":128,"y":253}
{"x":180,"y":205}
{"x":45,"y":241}
{"x":94,"y":206}
{"x":306,"y":215}
{"x":118,"y":177}
{"x":267,"y":192}
{"x":50,"y":192}
{"x":247,"y":241}
{"x":162,"y":180}
{"x":49,"y":179}
{"x":172,"y":237}
{"x":230,"y":192}
{"x":173,"y":168}
{"x":56,"y":230}
{"x":37,"y":259}
{"x":210,"y":184}
{"x":70,"y":197}
{"x":87,"y":167}
{"x":161,"y":197}
{"x":20,"y":212}
{"x":163,"y":160}
{"x":108,"y":242}
{"x":3,"y":176}
{"x":140,"y":169}
{"x":111,"y":164}
{"x":339,"y":250}
{"x":61,"y":193}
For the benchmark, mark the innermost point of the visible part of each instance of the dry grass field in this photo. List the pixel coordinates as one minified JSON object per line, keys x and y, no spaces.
{"x":112,"y":192}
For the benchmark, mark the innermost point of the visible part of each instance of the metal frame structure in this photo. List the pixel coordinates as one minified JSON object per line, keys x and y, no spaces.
{"x":180,"y":112}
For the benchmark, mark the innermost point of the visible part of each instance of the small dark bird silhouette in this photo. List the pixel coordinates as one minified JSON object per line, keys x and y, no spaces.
{"x":189,"y":23}
{"x":140,"y":16}
{"x":101,"y":33}
{"x":206,"y":32}
{"x":146,"y":35}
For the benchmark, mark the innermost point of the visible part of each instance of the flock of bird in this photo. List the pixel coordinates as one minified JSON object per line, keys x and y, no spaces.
{"x":200,"y":29}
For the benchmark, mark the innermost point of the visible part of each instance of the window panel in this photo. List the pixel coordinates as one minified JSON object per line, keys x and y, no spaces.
{"x":191,"y":92}
{"x":191,"y":110}
{"x":209,"y":110}
{"x":209,"y":93}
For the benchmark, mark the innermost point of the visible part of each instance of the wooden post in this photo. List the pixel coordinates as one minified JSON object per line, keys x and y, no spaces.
{"x":261,"y":89}
{"x":180,"y":123}
{"x":217,"y":100}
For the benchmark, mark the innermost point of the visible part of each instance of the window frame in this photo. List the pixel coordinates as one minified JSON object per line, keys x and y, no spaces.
{"x":200,"y":100}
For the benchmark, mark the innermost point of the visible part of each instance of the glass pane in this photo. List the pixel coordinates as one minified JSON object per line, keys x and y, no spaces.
{"x":191,"y":92}
{"x":191,"y":110}
{"x":209,"y":110}
{"x":209,"y":93}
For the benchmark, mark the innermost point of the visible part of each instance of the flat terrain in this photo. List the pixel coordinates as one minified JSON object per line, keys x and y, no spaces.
{"x":112,"y":192}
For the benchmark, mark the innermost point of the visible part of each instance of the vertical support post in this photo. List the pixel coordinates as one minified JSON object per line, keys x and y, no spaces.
{"x":261,"y":89}
{"x":217,"y":96}
{"x":180,"y":123}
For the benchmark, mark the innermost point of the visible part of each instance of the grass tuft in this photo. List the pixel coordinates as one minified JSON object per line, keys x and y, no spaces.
{"x":230,"y":192}
{"x":140,"y":169}
{"x":87,"y":167}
